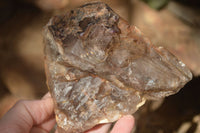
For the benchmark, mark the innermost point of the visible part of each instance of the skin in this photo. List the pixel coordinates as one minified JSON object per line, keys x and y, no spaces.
{"x":36,"y":116}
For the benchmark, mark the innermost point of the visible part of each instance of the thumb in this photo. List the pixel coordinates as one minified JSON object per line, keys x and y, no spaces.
{"x":25,"y":114}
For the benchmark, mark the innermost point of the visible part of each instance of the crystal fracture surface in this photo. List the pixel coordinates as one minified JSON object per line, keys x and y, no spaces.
{"x":100,"y":68}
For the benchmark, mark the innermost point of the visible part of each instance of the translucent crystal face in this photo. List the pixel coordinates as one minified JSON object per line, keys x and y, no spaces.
{"x":100,"y":68}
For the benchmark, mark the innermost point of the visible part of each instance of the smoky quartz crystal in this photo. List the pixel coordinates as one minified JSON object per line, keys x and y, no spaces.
{"x":100,"y":68}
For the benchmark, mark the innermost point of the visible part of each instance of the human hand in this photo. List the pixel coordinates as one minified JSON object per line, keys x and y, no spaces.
{"x":36,"y":116}
{"x":29,"y":116}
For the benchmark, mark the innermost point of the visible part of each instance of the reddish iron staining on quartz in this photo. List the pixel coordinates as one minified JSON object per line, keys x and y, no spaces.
{"x":100,"y":68}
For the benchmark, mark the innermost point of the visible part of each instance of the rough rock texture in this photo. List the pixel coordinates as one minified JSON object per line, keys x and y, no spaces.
{"x":100,"y":68}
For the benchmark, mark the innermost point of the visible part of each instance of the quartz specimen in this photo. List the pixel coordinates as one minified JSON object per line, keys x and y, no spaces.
{"x":100,"y":68}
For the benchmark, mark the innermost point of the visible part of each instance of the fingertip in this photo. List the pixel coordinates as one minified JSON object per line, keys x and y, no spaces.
{"x":124,"y":125}
{"x":102,"y":128}
{"x":47,"y":95}
{"x":56,"y":131}
{"x":129,"y":118}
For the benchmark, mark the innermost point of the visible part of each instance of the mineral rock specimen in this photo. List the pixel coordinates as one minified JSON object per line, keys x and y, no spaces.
{"x":100,"y":68}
